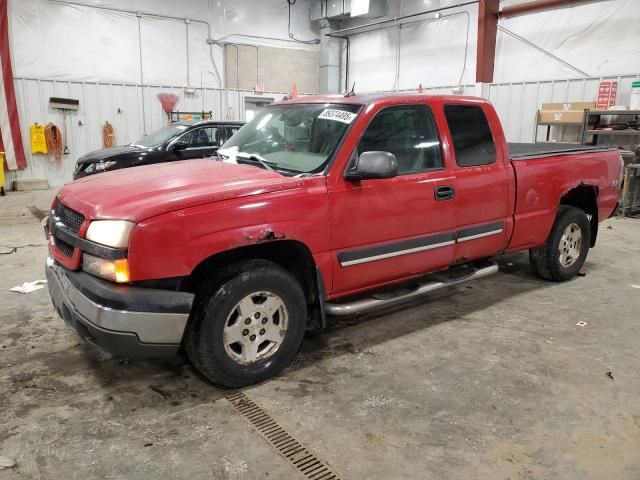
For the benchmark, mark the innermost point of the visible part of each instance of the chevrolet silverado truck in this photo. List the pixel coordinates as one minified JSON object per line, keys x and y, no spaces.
{"x":329,"y":205}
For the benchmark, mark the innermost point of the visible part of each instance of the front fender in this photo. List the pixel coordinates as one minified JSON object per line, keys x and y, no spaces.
{"x":173,"y":244}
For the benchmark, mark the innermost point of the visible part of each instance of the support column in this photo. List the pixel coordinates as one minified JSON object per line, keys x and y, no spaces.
{"x":329,"y":60}
{"x":487,"y":29}
{"x":482,"y":90}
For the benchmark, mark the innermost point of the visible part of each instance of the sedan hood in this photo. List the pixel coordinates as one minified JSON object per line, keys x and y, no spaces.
{"x":107,"y":153}
{"x":140,"y":193}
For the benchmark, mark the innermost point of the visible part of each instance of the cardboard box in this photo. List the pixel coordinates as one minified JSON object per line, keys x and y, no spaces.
{"x":576,"y":106}
{"x":560,"y":116}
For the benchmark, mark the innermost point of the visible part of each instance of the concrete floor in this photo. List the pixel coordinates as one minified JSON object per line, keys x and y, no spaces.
{"x":489,"y":381}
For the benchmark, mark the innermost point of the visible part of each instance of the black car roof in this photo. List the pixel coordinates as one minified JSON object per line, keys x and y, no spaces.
{"x":192,"y":123}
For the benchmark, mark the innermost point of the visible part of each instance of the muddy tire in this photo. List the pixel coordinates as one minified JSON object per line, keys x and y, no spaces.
{"x":565,"y":250}
{"x":247,"y":324}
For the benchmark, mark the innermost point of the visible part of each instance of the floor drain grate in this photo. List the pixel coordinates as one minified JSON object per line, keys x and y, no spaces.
{"x":290,"y":448}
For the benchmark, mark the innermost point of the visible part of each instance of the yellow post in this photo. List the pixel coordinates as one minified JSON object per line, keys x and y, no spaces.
{"x":2,"y":173}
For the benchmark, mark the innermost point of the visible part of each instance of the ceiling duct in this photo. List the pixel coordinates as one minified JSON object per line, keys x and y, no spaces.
{"x":341,"y":9}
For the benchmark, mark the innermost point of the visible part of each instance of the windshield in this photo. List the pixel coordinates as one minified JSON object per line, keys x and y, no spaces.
{"x":160,"y":136}
{"x":299,"y":138}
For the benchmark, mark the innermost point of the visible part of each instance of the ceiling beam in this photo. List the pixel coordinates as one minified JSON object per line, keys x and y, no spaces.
{"x":536,"y":6}
{"x":487,"y":30}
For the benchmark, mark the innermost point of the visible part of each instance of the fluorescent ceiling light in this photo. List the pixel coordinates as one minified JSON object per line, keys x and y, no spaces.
{"x":359,"y":7}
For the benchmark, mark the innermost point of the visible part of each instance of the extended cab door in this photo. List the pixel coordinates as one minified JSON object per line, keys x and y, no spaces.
{"x":384,"y":230}
{"x":482,"y":177}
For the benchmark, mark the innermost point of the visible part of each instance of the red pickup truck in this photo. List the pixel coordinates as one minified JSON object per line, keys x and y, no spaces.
{"x":319,"y":206}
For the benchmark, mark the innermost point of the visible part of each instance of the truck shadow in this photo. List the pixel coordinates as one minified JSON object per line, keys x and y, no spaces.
{"x":176,"y":383}
{"x":358,"y":333}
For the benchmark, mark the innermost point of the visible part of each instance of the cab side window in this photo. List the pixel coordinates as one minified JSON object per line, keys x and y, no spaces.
{"x":407,"y":131}
{"x":472,"y":140}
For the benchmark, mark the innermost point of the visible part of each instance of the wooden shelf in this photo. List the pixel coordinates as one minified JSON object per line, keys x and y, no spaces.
{"x":613,"y":132}
{"x":560,"y":123}
{"x":614,"y":112}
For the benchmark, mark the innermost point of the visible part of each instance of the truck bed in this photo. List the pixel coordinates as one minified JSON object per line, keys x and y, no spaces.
{"x":522,"y":151}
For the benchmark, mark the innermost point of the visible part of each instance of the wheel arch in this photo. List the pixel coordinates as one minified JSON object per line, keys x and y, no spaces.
{"x":292,"y":255}
{"x":584,"y":197}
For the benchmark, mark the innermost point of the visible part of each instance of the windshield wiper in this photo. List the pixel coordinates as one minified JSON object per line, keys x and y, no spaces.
{"x":257,"y":158}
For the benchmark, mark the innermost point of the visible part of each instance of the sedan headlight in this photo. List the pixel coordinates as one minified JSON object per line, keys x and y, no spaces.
{"x":112,"y":233}
{"x":116,"y":270}
{"x":100,"y":166}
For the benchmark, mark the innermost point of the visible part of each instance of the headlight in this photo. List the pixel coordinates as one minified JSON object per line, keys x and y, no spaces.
{"x":100,"y":167}
{"x":112,"y":233}
{"x":116,"y":270}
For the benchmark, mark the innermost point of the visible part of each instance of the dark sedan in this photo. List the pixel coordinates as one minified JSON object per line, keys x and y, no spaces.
{"x":179,"y":141}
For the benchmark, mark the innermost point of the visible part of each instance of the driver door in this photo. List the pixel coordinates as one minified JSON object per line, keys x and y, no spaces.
{"x":383,"y":230}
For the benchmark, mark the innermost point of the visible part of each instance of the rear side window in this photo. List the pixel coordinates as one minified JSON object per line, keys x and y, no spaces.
{"x":472,"y":139}
{"x":231,"y":131}
{"x":407,"y":131}
{"x":201,"y":137}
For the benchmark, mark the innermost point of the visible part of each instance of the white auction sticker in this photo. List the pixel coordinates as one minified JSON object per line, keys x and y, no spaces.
{"x":337,"y":115}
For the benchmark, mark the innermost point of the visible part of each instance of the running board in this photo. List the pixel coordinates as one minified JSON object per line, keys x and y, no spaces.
{"x":373,"y":302}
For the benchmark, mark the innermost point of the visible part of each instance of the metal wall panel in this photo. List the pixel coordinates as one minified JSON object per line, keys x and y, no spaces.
{"x":518,"y":103}
{"x":131,"y":109}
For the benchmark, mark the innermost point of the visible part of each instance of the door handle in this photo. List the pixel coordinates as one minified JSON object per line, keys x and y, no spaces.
{"x":445,"y":192}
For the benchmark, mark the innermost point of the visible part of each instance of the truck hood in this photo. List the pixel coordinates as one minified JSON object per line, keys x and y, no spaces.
{"x":143,"y":192}
{"x":109,"y":153}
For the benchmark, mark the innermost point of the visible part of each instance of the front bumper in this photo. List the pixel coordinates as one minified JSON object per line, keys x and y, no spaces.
{"x":122,"y":320}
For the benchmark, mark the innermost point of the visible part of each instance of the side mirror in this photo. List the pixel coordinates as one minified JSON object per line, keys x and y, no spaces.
{"x":179,"y":145}
{"x":370,"y":165}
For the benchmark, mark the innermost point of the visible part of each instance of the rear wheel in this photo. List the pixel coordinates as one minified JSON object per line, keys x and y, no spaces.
{"x":247,"y":324}
{"x":565,"y":250}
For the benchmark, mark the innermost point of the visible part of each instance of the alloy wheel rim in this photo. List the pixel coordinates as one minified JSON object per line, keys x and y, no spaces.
{"x":570,"y":245}
{"x":255,"y":328}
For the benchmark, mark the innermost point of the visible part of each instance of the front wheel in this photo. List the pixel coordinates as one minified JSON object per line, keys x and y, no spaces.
{"x":565,"y":250}
{"x":247,"y":325}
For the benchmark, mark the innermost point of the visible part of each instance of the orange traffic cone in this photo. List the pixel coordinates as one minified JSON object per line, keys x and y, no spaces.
{"x":294,"y":91}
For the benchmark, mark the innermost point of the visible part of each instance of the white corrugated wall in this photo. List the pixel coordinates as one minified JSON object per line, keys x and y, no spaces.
{"x":518,"y":103}
{"x":122,"y":105}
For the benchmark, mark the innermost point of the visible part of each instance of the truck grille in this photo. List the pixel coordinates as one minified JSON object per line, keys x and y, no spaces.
{"x":64,"y":247}
{"x":71,"y":219}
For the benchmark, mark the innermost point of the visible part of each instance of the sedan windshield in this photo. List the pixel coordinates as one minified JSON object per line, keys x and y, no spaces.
{"x":298,"y":138}
{"x":160,"y":136}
